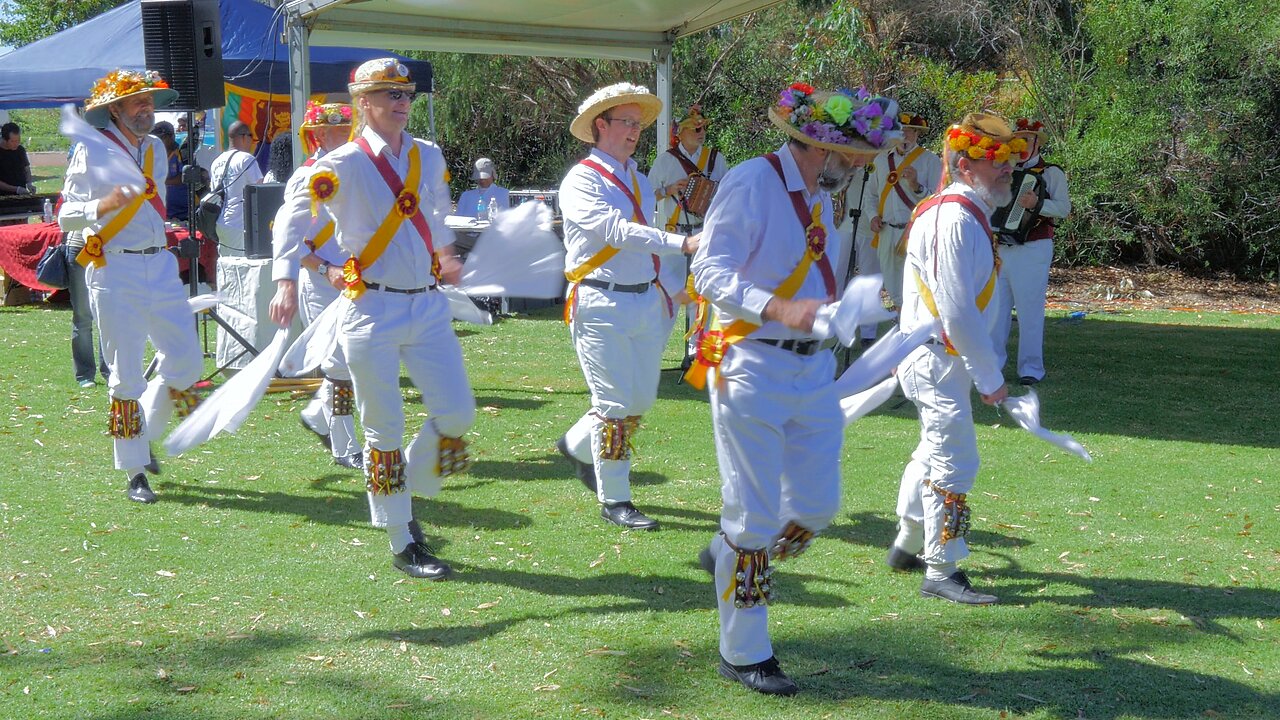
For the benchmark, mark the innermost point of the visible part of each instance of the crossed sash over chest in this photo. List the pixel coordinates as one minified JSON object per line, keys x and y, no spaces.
{"x":713,"y":343}
{"x":95,"y":243}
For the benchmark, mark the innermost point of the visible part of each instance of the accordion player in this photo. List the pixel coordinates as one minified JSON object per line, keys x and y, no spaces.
{"x":1013,"y":223}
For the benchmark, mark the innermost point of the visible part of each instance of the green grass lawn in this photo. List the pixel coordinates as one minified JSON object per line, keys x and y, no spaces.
{"x":1143,"y":585}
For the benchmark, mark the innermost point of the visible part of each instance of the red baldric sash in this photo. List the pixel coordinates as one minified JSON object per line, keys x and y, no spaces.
{"x":151,"y":190}
{"x":397,"y":188}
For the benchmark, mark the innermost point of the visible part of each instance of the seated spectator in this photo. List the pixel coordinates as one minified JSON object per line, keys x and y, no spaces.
{"x":15,"y":168}
{"x":486,"y":190}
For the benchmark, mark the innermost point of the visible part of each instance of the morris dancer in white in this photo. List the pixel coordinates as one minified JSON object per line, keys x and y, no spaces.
{"x":328,"y":415}
{"x":134,"y":289}
{"x":902,"y":177}
{"x":764,"y":265}
{"x":1024,"y":276}
{"x":952,"y":271}
{"x":387,"y":195}
{"x":617,"y":311}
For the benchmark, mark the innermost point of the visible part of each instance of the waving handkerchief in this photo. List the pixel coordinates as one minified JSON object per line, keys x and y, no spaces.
{"x":107,"y":162}
{"x":880,"y":359}
{"x":1025,"y":409}
{"x":461,"y":307}
{"x":316,"y":342}
{"x":229,"y":405}
{"x":857,"y":405}
{"x":860,"y":305}
{"x":518,"y":256}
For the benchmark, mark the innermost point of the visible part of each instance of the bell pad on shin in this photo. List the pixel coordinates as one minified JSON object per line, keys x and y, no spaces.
{"x":343,"y":398}
{"x":615,"y":436}
{"x":125,"y":420}
{"x":184,"y":401}
{"x":955,"y":513}
{"x":384,"y":471}
{"x":453,"y":458}
{"x":793,"y":541}
{"x":752,"y":581}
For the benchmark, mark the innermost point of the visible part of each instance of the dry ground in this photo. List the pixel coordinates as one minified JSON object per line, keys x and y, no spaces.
{"x":1112,"y":288}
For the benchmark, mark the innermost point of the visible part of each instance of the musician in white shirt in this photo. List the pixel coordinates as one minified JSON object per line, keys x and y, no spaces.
{"x":1024,"y":277}
{"x":134,"y":289}
{"x":618,"y":313}
{"x":901,"y":179}
{"x":951,"y":276}
{"x":765,"y":264}
{"x":387,"y":194}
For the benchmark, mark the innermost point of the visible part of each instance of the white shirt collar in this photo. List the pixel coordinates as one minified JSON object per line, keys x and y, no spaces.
{"x":611,"y":163}
{"x":790,"y":170}
{"x":377,"y":144}
{"x":1030,"y":162}
{"x":691,"y":155}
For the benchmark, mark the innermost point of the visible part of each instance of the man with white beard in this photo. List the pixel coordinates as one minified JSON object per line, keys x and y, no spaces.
{"x":951,"y":273}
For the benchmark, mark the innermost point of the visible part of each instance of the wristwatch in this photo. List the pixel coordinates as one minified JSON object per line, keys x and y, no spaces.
{"x":323,"y":269}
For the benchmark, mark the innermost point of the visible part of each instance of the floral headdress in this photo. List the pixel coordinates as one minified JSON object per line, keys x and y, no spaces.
{"x":323,"y":115}
{"x":1025,"y":126}
{"x":120,"y":84}
{"x":979,"y":146}
{"x":853,"y":122}
{"x":915,"y":121}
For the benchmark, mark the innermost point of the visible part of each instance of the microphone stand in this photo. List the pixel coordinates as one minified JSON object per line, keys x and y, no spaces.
{"x":855,"y":214}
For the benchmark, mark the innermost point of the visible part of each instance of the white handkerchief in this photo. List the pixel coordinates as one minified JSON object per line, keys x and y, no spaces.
{"x":462,"y":308}
{"x":108,"y":164}
{"x":316,"y":343}
{"x":860,"y":305}
{"x":1025,"y":409}
{"x":879,"y":360}
{"x":856,"y":406}
{"x":517,"y":256}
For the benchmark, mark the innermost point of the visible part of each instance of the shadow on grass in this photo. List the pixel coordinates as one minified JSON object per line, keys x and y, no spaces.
{"x":878,"y":531}
{"x":1163,"y":382}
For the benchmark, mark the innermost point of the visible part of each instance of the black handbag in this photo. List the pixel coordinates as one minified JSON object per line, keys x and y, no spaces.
{"x":52,"y":270}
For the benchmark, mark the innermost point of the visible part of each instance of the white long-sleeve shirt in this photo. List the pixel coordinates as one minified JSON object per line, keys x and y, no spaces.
{"x":598,"y":213}
{"x":928,"y":169}
{"x":667,"y":170}
{"x":234,"y":170}
{"x":294,"y":227}
{"x":81,"y":193}
{"x":1057,"y":203}
{"x":363,"y":200}
{"x":953,"y":256}
{"x":752,"y":241}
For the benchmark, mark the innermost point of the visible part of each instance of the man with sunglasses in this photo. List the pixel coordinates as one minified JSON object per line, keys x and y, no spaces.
{"x":232,"y":171}
{"x":618,"y":312}
{"x":387,"y":195}
{"x":950,"y":279}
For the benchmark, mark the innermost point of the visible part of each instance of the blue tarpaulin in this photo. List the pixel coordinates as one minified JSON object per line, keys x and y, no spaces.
{"x":62,"y":67}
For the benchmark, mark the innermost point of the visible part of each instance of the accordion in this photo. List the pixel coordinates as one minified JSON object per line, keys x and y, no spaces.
{"x":1012,"y":223}
{"x":838,"y":209}
{"x":697,"y":194}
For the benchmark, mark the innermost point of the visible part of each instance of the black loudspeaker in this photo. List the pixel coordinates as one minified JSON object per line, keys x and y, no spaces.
{"x":260,"y":205}
{"x":182,"y":40}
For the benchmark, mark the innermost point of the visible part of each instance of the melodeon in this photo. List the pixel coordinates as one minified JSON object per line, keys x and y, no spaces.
{"x":1012,"y":223}
{"x":838,"y":209}
{"x":697,"y":194}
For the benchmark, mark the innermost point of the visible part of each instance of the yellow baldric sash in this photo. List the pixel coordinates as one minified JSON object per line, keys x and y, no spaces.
{"x":596,"y":261}
{"x":988,"y":290}
{"x":714,"y":342}
{"x":702,"y":168}
{"x":96,"y":243}
{"x":891,"y":185}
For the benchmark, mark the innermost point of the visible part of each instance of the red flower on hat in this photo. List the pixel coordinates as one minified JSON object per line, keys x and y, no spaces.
{"x":805,"y":88}
{"x":1025,"y":125}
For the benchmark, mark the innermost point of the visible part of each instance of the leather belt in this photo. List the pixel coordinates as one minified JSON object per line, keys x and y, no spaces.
{"x":799,"y":347}
{"x":145,"y":251}
{"x":402,"y":291}
{"x":903,"y":226}
{"x":616,"y":287}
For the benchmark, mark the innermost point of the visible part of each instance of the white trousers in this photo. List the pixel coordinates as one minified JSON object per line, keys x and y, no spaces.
{"x":947,"y":454}
{"x":379,"y":331}
{"x":868,"y":263}
{"x":778,"y":430}
{"x":313,"y":298}
{"x":1023,"y":283}
{"x":891,"y":263}
{"x":619,"y":338}
{"x":136,"y":298}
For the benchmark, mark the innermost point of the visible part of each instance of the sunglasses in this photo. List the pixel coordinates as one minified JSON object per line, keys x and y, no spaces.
{"x":398,"y":95}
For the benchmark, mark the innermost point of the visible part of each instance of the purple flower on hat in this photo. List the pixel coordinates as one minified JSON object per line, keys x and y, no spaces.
{"x":786,"y":99}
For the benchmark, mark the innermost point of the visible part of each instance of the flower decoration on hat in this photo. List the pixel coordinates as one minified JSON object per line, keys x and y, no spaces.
{"x":1025,"y":125}
{"x":380,"y":74}
{"x":845,"y":120}
{"x":982,"y":147}
{"x":323,"y":186}
{"x":913,"y":120}
{"x":326,"y":114}
{"x":693,"y":118}
{"x":119,"y":83}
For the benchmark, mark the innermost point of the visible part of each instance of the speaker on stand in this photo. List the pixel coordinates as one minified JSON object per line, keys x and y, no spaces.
{"x":182,"y":40}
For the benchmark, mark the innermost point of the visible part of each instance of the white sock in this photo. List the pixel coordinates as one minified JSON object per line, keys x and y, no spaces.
{"x":910,"y":537}
{"x":941,"y":571}
{"x":400,"y":537}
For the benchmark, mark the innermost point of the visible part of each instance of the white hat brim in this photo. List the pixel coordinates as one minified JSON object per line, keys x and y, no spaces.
{"x":99,"y":117}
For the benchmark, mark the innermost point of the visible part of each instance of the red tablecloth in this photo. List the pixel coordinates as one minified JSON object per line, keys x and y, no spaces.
{"x":21,"y":247}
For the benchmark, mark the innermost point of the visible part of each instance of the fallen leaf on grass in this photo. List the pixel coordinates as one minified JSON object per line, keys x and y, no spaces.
{"x":606,"y":651}
{"x":186,"y":689}
{"x":166,"y":573}
{"x":162,"y":674}
{"x":546,"y":688}
{"x":487,"y":605}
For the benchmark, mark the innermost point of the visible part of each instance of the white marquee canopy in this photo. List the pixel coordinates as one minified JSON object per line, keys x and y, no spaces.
{"x":638,"y":30}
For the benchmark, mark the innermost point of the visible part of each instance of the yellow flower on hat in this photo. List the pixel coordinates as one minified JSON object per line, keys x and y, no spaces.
{"x":986,"y":143}
{"x":1018,"y":145}
{"x":1002,"y":154}
{"x":976,"y":152}
{"x":960,"y":143}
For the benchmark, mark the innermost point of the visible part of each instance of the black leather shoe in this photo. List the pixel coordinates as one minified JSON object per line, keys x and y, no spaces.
{"x":419,"y":537}
{"x":417,"y":561}
{"x":355,"y":460}
{"x":956,"y":589}
{"x":153,"y":465}
{"x":707,"y":561}
{"x":866,"y":343}
{"x":763,"y":677}
{"x":626,"y":515}
{"x":586,"y":471}
{"x":1028,"y":380}
{"x":139,"y":490}
{"x":903,"y":561}
{"x":324,"y":439}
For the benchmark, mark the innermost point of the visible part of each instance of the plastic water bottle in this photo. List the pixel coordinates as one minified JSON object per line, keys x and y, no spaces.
{"x":47,"y":211}
{"x":481,"y":213}
{"x":493,"y":209}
